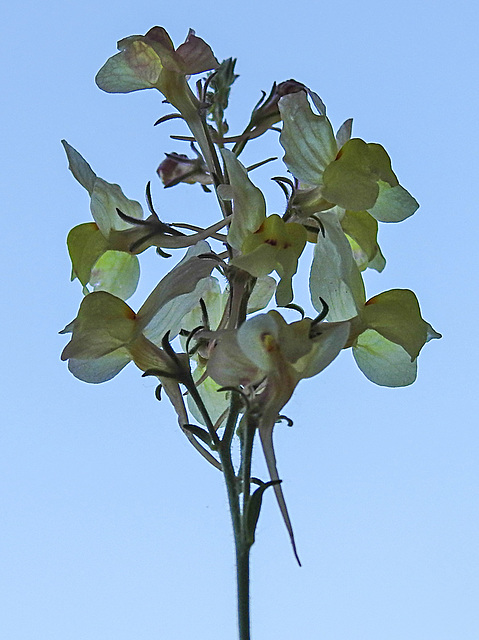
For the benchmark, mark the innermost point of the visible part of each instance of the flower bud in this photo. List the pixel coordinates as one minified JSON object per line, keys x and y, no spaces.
{"x":177,"y":167}
{"x":269,"y":108}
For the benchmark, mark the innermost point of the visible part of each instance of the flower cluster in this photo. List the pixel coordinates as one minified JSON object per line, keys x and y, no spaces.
{"x":338,"y":189}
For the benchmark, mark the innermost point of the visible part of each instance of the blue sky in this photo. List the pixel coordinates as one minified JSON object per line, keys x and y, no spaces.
{"x":111,"y":526}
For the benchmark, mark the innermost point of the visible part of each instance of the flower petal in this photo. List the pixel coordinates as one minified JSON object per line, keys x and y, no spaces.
{"x":396,"y":315}
{"x":393,"y":204}
{"x":258,"y":340}
{"x":382,"y":361}
{"x":116,"y":272}
{"x":172,"y":314}
{"x":334,"y":274}
{"x":106,"y":198}
{"x":135,"y":68}
{"x":86,"y":244}
{"x":195,"y":55}
{"x":249,"y":207}
{"x":307,"y":139}
{"x":100,"y":369}
{"x":179,"y":281}
{"x":80,"y":167}
{"x":216,"y":403}
{"x":362,"y":231}
{"x":332,"y":339}
{"x":262,"y":293}
{"x":229,"y":366}
{"x":104,"y":324}
{"x":351,"y":181}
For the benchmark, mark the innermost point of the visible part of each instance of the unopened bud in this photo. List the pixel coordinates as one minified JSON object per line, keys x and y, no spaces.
{"x":177,"y":167}
{"x":269,"y":108}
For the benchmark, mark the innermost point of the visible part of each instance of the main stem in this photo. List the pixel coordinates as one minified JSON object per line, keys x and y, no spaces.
{"x":238,"y":517}
{"x":242,"y":573}
{"x":200,"y":130}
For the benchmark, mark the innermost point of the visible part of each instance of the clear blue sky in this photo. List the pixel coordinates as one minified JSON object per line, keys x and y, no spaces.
{"x":111,"y":527}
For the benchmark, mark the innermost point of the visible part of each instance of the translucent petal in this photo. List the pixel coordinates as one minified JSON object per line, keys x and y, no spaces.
{"x":249,"y":207}
{"x":216,"y":402}
{"x":119,"y":75}
{"x":362,"y":228}
{"x":80,"y":167}
{"x":196,"y":55}
{"x":351,"y":181}
{"x":343,"y":134}
{"x":393,"y":204}
{"x":396,"y":315}
{"x":104,"y":324}
{"x":116,"y":272}
{"x":262,"y":293}
{"x":307,"y":139}
{"x":334,"y":274}
{"x":229,"y":366}
{"x":180,"y":280}
{"x":171,"y":315}
{"x":258,"y":340}
{"x":259,"y":261}
{"x":378,"y":262}
{"x":384,"y":362}
{"x":85,"y":244}
{"x":324,"y":349}
{"x":101,"y":369}
{"x":106,"y":198}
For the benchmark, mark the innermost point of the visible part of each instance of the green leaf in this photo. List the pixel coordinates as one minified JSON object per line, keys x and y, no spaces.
{"x":393,"y":204}
{"x":382,"y":361}
{"x":308,"y":139}
{"x":351,"y":181}
{"x":334,"y":275}
{"x":396,"y":315}
{"x":117,"y":273}
{"x":85,"y":244}
{"x":254,"y":508}
{"x":199,"y":432}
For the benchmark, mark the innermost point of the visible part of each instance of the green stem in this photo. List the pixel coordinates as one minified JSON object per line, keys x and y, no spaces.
{"x":238,"y":518}
{"x":242,"y":572}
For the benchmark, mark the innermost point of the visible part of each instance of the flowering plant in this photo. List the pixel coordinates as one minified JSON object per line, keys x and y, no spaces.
{"x":222,"y":350}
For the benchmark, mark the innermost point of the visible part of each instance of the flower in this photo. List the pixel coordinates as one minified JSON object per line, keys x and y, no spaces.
{"x":275,"y":245}
{"x":264,"y":244}
{"x":267,"y":358}
{"x":103,"y":253}
{"x":392,"y":334}
{"x":350,"y":173}
{"x":107,"y":334}
{"x":151,"y":62}
{"x":387,"y":331}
